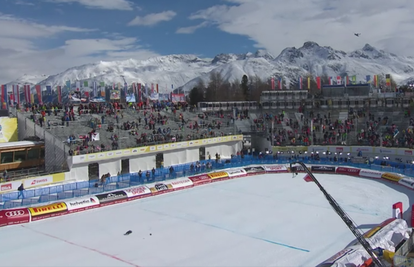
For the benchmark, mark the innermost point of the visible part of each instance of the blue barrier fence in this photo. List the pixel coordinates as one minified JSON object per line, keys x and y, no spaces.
{"x":79,"y":189}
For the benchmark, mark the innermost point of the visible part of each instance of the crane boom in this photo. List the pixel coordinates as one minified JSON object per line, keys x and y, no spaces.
{"x":347,"y":220}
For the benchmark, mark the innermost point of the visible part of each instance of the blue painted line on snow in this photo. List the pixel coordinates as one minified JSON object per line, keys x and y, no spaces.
{"x":280,"y":244}
{"x":258,"y":238}
{"x":228,"y":230}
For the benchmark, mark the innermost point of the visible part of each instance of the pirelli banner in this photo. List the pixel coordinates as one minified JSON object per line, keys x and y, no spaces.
{"x":52,"y":210}
{"x":391,"y":177}
{"x":216,"y":176}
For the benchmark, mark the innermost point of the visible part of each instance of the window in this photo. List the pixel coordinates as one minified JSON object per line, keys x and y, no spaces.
{"x":6,"y":157}
{"x":33,"y":154}
{"x":20,"y":155}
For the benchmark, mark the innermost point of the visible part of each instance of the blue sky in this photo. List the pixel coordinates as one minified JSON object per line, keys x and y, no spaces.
{"x":49,"y":36}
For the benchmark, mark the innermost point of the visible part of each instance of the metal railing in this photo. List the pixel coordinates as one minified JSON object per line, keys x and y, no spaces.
{"x":79,"y":189}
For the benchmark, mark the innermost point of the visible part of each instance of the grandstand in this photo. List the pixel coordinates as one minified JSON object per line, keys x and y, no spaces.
{"x":282,"y":118}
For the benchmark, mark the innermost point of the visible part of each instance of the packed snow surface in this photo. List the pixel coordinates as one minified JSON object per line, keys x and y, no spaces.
{"x":266,"y":220}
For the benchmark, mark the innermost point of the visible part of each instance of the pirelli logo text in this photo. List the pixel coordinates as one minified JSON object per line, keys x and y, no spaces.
{"x":218,"y":175}
{"x":52,"y":208}
{"x":391,"y":177}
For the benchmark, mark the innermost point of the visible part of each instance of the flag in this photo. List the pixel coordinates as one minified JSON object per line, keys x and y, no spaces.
{"x":85,"y":84}
{"x":272,"y":83}
{"x":59,"y":93}
{"x":368,"y":78}
{"x":68,"y":85}
{"x":49,"y":93}
{"x":353,"y":79}
{"x":347,"y":80}
{"x":307,"y":178}
{"x":125,"y":88}
{"x":102,"y":84}
{"x":157,"y":88}
{"x":152,"y":88}
{"x":4,"y":100}
{"x":95,"y":88}
{"x":388,"y":79}
{"x":280,"y":82}
{"x":39,"y":93}
{"x":300,"y":83}
{"x":330,"y":81}
{"x":16,"y":94}
{"x":95,"y":136}
{"x":78,"y":85}
{"x":338,"y":80}
{"x":318,"y":82}
{"x":12,"y":95}
{"x":133,"y":88}
{"x":376,"y":80}
{"x":27,"y":97}
{"x":309,"y":83}
{"x":139,"y":93}
{"x":119,"y":86}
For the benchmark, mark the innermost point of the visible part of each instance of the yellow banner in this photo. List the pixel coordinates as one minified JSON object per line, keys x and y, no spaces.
{"x":8,"y":130}
{"x":58,"y":177}
{"x":52,"y":208}
{"x":391,"y":177}
{"x":218,"y":175}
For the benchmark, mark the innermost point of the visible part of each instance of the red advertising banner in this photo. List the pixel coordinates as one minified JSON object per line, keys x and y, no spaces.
{"x":16,"y":216}
{"x":200,"y":179}
{"x":348,"y":171}
{"x":276,"y":169}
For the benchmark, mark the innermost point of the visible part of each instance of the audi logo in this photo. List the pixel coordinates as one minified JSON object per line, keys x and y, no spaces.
{"x":14,"y":213}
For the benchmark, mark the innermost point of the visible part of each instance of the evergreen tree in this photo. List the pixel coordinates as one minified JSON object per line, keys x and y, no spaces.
{"x":215,"y":87}
{"x":195,"y":95}
{"x":324,"y":79}
{"x":245,"y":87}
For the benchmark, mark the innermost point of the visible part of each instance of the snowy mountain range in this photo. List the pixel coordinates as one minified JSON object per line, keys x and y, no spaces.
{"x":185,"y":71}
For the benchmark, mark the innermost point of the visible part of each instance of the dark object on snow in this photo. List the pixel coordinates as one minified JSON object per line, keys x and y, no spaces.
{"x":150,"y":234}
{"x":128,"y":232}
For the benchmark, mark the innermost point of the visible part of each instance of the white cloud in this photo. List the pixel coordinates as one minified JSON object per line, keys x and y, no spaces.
{"x":276,"y":24}
{"x":20,"y":55}
{"x":152,"y":19}
{"x":100,"y":4}
{"x":191,"y":29}
{"x":23,"y":3}
{"x":11,"y":26}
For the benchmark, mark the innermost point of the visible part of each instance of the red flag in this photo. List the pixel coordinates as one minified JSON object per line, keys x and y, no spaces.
{"x":157,"y":88}
{"x":273,"y":83}
{"x":318,"y":82}
{"x":39,"y":93}
{"x":139,"y":93}
{"x":17,"y":95}
{"x":307,"y":178}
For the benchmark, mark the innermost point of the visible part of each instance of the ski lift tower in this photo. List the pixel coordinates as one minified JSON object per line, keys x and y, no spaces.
{"x":347,"y":220}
